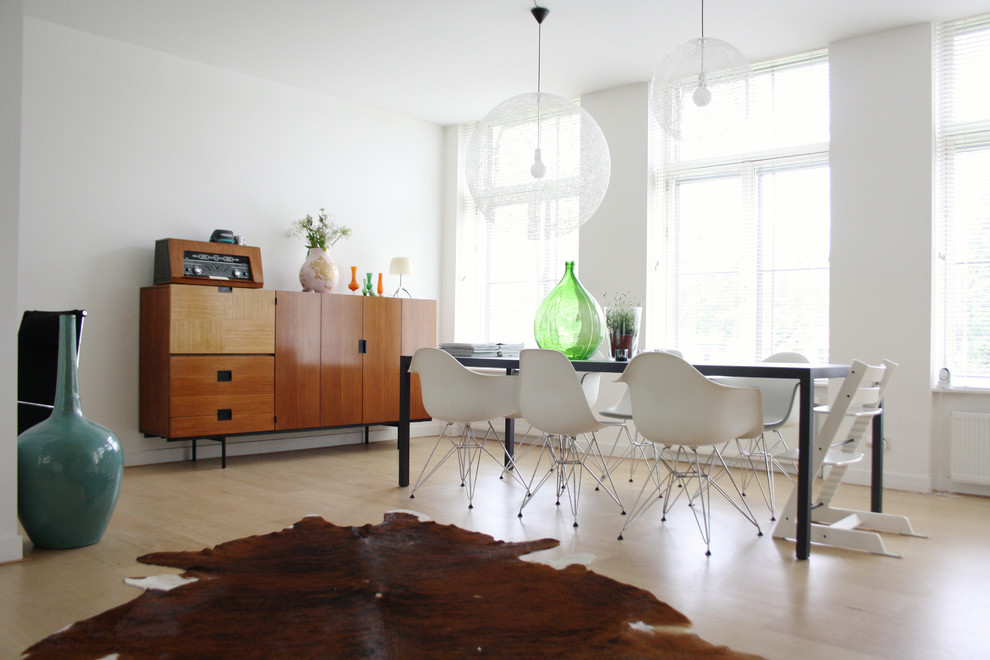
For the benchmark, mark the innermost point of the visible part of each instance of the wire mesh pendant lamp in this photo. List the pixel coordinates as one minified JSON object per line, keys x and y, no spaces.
{"x":538,"y":164}
{"x":700,"y":86}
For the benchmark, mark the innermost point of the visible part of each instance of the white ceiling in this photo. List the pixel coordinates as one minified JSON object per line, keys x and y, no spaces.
{"x":447,"y":61}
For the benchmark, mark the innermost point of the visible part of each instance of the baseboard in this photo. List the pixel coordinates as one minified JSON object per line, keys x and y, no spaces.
{"x":173,"y":452}
{"x":895,"y":480}
{"x":11,"y":548}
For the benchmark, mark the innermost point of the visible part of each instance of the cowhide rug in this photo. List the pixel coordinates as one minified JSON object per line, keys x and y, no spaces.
{"x":400,"y":589}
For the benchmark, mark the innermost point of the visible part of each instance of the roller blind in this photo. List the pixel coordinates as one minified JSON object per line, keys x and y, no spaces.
{"x":739,"y":223}
{"x":962,"y":213}
{"x":500,"y":278}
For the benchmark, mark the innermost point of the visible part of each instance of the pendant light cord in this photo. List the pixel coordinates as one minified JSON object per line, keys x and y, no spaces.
{"x":539,"y":13}
{"x":702,"y":41}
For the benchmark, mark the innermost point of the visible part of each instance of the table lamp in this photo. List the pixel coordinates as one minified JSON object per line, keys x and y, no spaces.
{"x":400,"y":266}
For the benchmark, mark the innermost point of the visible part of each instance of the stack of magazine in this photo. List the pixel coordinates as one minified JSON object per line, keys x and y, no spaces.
{"x":482,"y":350}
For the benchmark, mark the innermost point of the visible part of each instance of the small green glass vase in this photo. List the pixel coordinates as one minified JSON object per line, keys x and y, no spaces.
{"x":569,"y":319}
{"x":69,"y":469}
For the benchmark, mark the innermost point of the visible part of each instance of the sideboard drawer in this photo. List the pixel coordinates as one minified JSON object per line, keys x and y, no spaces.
{"x":222,"y":424}
{"x":202,"y":384}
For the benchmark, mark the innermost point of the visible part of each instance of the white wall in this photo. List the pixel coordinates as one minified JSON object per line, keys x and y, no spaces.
{"x":445,"y":304}
{"x":612,"y":251}
{"x":881,"y":157}
{"x":125,"y":145}
{"x":11,"y":543}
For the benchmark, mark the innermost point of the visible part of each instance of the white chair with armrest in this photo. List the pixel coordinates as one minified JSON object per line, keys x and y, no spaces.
{"x":455,"y":394}
{"x":556,"y":403}
{"x":780,"y":404}
{"x":675,"y":407}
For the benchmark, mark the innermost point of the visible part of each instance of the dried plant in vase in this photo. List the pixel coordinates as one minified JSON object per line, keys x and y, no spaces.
{"x":622,"y":317}
{"x":319,"y":271}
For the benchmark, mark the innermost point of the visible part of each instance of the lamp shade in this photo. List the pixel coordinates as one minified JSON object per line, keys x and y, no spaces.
{"x":701,"y":83}
{"x":538,"y":164}
{"x":400,"y":266}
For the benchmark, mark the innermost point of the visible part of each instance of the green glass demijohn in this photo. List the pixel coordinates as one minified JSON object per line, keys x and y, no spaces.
{"x":569,"y":319}
{"x":69,"y":469}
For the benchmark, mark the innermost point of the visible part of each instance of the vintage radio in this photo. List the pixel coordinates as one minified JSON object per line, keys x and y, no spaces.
{"x":197,"y":262}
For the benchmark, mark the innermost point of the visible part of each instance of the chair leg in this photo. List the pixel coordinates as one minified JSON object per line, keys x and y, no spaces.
{"x":595,"y":452}
{"x":704,"y":497}
{"x":694,"y":479}
{"x":628,"y":452}
{"x":569,"y":460}
{"x":530,"y":488}
{"x":747,"y":513}
{"x":424,"y":475}
{"x":469,"y":450}
{"x":647,"y":499}
{"x":569,"y":473}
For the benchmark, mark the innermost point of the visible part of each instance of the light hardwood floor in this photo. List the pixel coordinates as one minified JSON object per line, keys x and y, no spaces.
{"x":750,"y":594}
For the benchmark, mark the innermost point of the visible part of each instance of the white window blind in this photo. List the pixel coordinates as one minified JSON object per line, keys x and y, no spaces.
{"x":962,"y":214}
{"x":502,"y":277}
{"x":739,"y":222}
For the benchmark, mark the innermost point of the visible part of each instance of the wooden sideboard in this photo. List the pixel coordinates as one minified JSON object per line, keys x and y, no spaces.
{"x":218,"y":361}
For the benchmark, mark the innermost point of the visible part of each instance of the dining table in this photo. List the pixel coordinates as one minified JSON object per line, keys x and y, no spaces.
{"x":804,"y":373}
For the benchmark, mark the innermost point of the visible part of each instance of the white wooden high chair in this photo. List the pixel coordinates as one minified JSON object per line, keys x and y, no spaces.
{"x":836,"y":447}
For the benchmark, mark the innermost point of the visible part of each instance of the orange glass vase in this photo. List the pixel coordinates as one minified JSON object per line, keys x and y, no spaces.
{"x":354,"y":286}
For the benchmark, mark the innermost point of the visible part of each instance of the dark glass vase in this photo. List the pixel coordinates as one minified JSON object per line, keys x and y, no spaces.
{"x":69,"y":469}
{"x":569,"y":319}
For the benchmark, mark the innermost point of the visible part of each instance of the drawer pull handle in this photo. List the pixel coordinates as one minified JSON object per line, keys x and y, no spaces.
{"x":224,"y":415}
{"x":225,"y":289}
{"x":362,"y":346}
{"x":224,"y":376}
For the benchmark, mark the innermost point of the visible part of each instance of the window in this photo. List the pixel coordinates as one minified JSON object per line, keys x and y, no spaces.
{"x":501,"y":277}
{"x":739,"y":223}
{"x":962,"y":197}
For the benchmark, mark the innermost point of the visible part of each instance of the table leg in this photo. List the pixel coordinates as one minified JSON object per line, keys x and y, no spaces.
{"x":510,"y":442}
{"x":876,"y":476}
{"x":806,"y":431}
{"x":509,"y":436}
{"x":404,"y":387}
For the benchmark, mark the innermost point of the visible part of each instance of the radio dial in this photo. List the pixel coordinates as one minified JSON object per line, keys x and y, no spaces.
{"x":197,"y":270}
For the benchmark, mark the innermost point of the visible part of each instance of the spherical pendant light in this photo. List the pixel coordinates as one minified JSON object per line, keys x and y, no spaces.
{"x":702,"y":81}
{"x":538,"y":164}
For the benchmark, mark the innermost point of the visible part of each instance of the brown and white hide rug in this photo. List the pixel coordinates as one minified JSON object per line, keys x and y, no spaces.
{"x":399,"y":589}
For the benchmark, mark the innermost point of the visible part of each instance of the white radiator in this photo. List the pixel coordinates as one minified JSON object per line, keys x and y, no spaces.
{"x":969,"y":450}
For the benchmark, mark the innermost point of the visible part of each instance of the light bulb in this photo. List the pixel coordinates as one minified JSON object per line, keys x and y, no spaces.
{"x":702,"y":96}
{"x":538,"y":169}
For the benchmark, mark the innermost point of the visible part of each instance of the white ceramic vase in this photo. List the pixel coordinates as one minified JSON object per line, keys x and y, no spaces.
{"x":319,"y":272}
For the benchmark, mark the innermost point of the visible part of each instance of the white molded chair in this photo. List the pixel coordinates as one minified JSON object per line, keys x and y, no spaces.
{"x":556,"y":403}
{"x":674,"y":406}
{"x":849,"y":419}
{"x":780,"y":403}
{"x":454,"y":394}
{"x":622,"y":410}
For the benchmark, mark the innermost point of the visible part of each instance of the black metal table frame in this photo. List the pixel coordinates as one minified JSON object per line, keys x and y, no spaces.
{"x":804,"y":373}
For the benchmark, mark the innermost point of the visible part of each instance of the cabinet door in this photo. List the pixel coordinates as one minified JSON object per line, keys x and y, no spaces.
{"x":419,"y":330}
{"x":382,"y":333}
{"x":206,"y":319}
{"x":341,"y":379}
{"x":153,"y":384}
{"x":297,"y":360}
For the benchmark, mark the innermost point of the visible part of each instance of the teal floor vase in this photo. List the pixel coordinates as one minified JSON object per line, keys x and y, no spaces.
{"x":68,"y":468}
{"x":569,"y":319}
